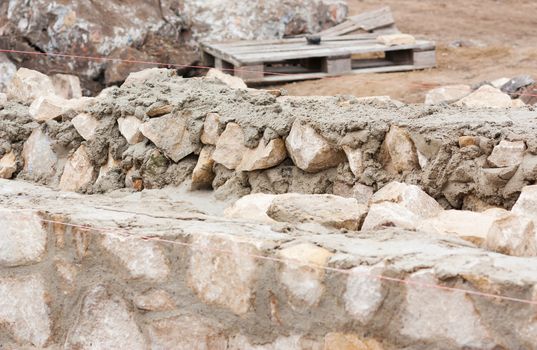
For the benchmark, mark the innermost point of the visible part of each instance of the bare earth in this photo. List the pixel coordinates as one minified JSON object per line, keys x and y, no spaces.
{"x":500,"y":41}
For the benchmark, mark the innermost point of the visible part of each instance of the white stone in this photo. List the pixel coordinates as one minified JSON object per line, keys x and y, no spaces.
{"x":264,"y":156}
{"x":39,"y":157}
{"x":486,"y":97}
{"x":396,"y":39}
{"x":410,"y":197}
{"x":447,"y":94}
{"x":86,"y":125}
{"x":513,"y":235}
{"x":507,"y":153}
{"x":431,"y":314}
{"x":355,"y":158}
{"x":129,"y":127}
{"x":526,"y":204}
{"x":398,"y":152}
{"x":7,"y":72}
{"x":67,"y":86}
{"x":302,"y":274}
{"x":47,"y":107}
{"x":251,"y":207}
{"x":170,"y":134}
{"x":8,"y":165}
{"x":388,"y":214}
{"x":24,"y":311}
{"x":221,"y":278}
{"x":211,"y":125}
{"x":229,"y":80}
{"x":104,"y":322}
{"x":364,"y":294}
{"x":309,"y":150}
{"x":78,"y":172}
{"x":142,"y":259}
{"x":27,"y":85}
{"x":154,"y":300}
{"x":230,"y":147}
{"x":203,"y":174}
{"x":498,"y":83}
{"x":22,"y":239}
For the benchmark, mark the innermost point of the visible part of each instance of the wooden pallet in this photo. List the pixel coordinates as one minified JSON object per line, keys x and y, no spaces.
{"x":270,"y":61}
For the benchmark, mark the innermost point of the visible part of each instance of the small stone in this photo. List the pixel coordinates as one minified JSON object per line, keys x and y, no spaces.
{"x":8,"y":165}
{"x":203,"y":174}
{"x":513,"y":235}
{"x":23,"y":240}
{"x":27,"y":85}
{"x":309,"y":150}
{"x":67,"y":86}
{"x":342,"y":341}
{"x":251,"y":207}
{"x":388,"y":214}
{"x":86,"y":125}
{"x":154,"y":300}
{"x":39,"y":157}
{"x":303,"y":276}
{"x":410,"y":197}
{"x":398,"y":152}
{"x":143,"y":259}
{"x":364,"y":294}
{"x":170,"y":134}
{"x":507,"y":153}
{"x":129,"y":127}
{"x":230,"y":147}
{"x":467,"y":141}
{"x":229,"y":80}
{"x":325,"y":209}
{"x":264,"y":156}
{"x":211,"y":125}
{"x":526,"y":204}
{"x":486,"y":97}
{"x":447,"y":94}
{"x":47,"y":107}
{"x":159,"y":110}
{"x":355,"y":158}
{"x":396,"y":39}
{"x":78,"y":172}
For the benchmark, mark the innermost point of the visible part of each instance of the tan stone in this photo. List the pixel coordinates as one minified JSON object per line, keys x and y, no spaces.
{"x":129,"y":127}
{"x":230,"y":147}
{"x":39,"y":157}
{"x":229,"y":80}
{"x":389,"y":214}
{"x":170,"y":134}
{"x":78,"y":172}
{"x":159,"y":110}
{"x":211,"y":125}
{"x":344,"y":341}
{"x":325,"y":209}
{"x":203,"y":174}
{"x":410,"y":197}
{"x":251,"y":207}
{"x":513,"y":235}
{"x":27,"y":85}
{"x":47,"y":107}
{"x":354,"y":156}
{"x":447,"y":94}
{"x":486,"y":97}
{"x":8,"y":165}
{"x":264,"y":156}
{"x":398,"y":152}
{"x":517,"y":103}
{"x":309,"y":150}
{"x":396,"y":39}
{"x":467,"y":141}
{"x":86,"y":125}
{"x":507,"y":153}
{"x":67,"y":86}
{"x":154,"y":300}
{"x":303,"y":275}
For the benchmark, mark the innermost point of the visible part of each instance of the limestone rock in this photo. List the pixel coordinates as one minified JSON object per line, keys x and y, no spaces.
{"x":507,"y":153}
{"x":396,"y":39}
{"x":342,"y":341}
{"x":432,"y":314}
{"x":86,"y":125}
{"x":217,"y":277}
{"x":142,"y":259}
{"x":24,"y":311}
{"x":23,"y":240}
{"x":170,"y":134}
{"x":39,"y":157}
{"x":252,"y":207}
{"x":447,"y":94}
{"x":264,"y":156}
{"x":354,"y":156}
{"x":67,"y":86}
{"x":229,"y":80}
{"x":27,"y":85}
{"x":513,"y":235}
{"x":325,"y":209}
{"x":486,"y":97}
{"x":7,"y":71}
{"x":8,"y":165}
{"x":309,"y":150}
{"x":104,"y":322}
{"x":211,"y":125}
{"x":129,"y":127}
{"x":410,"y":197}
{"x":78,"y":172}
{"x":47,"y":107}
{"x":230,"y":147}
{"x":154,"y":300}
{"x":398,"y":152}
{"x":303,"y":277}
{"x":364,"y":294}
{"x":526,"y":205}
{"x":389,"y":214}
{"x":203,"y":174}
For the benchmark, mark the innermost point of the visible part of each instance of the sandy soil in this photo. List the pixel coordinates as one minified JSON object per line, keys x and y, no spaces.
{"x":499,"y":35}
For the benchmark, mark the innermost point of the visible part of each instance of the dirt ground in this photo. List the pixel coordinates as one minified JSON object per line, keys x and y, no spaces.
{"x":499,"y":40}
